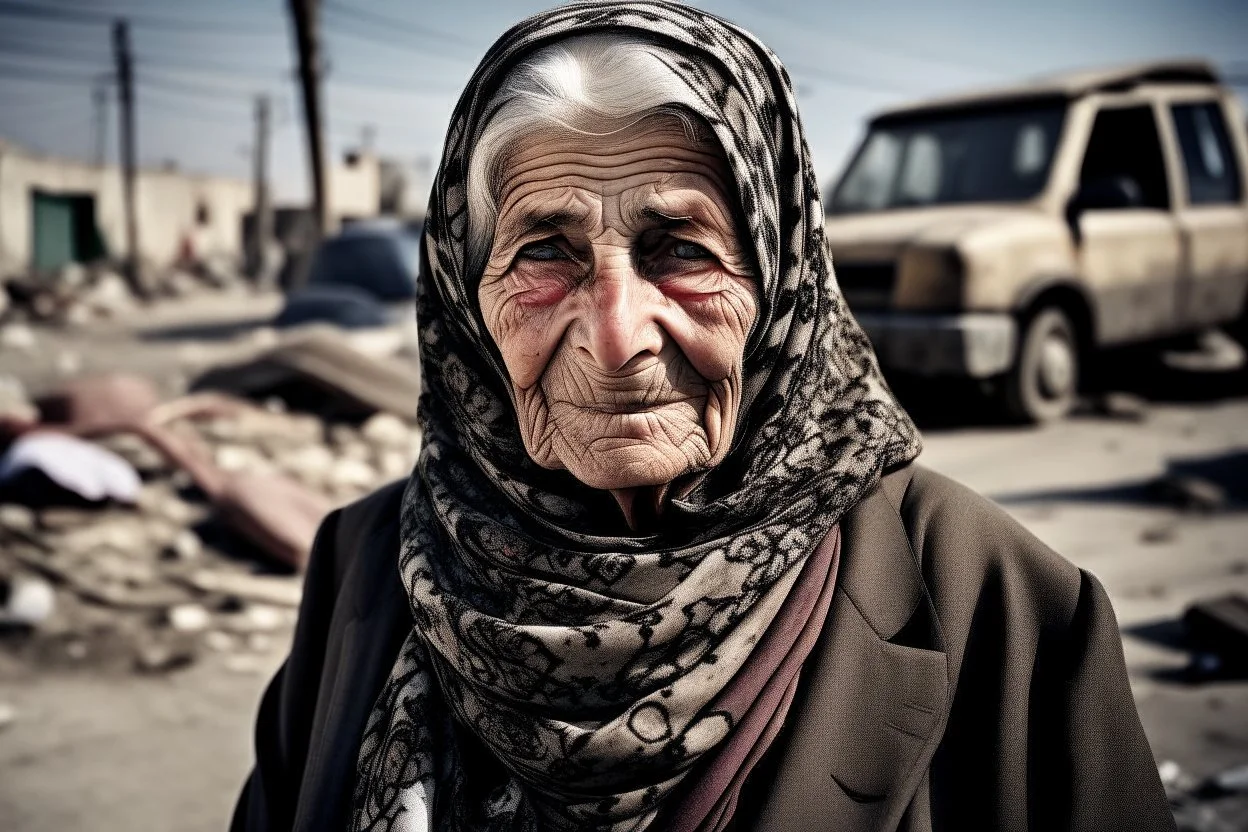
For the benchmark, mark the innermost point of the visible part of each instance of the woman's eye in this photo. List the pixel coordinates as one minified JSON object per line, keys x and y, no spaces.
{"x":686,"y":250}
{"x":542,"y":251}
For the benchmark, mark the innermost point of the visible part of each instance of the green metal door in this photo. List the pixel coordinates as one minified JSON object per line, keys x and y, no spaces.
{"x":53,"y":226}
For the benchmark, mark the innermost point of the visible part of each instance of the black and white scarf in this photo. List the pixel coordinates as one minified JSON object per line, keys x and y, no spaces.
{"x":584,"y":659}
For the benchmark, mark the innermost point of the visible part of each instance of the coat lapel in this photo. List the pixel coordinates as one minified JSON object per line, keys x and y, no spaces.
{"x":876,"y":695}
{"x":378,"y":620}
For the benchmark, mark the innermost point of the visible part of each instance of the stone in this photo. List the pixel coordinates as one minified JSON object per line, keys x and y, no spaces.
{"x":340,"y":435}
{"x":311,"y":464}
{"x":25,"y":601}
{"x":118,"y":568}
{"x":15,"y":404}
{"x":357,"y":450}
{"x":352,"y":473}
{"x":70,"y":276}
{"x":265,"y":589}
{"x":186,"y":546}
{"x":256,"y":618}
{"x":393,"y":464}
{"x":17,"y":336}
{"x":109,"y":295}
{"x":59,"y":519}
{"x":121,"y":534}
{"x":68,"y":363}
{"x":387,"y":430}
{"x":241,"y":458}
{"x":159,"y":502}
{"x":158,"y":656}
{"x":245,"y":665}
{"x":17,"y":518}
{"x":218,"y":641}
{"x":1189,"y":493}
{"x":259,"y":643}
{"x":138,"y":452}
{"x":1123,"y":406}
{"x":1158,"y":533}
{"x":188,"y":618}
{"x":179,"y":283}
{"x":8,"y":715}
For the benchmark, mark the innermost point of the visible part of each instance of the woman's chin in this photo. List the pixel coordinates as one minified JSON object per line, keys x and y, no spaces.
{"x":617,"y":466}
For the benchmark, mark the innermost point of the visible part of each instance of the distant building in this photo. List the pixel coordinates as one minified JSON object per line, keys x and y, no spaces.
{"x":54,"y":211}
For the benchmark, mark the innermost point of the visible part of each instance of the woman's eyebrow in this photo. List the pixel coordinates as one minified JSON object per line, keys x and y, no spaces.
{"x":665,"y":221}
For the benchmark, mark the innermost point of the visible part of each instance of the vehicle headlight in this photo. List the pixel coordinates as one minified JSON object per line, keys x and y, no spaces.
{"x":930,"y":278}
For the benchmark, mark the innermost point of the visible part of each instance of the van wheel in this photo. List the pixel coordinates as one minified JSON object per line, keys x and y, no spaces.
{"x":1044,"y":382}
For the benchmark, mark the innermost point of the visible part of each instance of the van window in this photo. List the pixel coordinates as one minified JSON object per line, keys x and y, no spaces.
{"x":1212,"y":175}
{"x":998,"y":153}
{"x":1125,"y":145}
{"x":870,"y":181}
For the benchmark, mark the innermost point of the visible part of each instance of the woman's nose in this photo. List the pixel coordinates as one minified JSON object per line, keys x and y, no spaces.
{"x":620,"y":321}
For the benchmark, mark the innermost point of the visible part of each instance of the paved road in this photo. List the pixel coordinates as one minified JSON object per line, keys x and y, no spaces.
{"x":122,"y":753}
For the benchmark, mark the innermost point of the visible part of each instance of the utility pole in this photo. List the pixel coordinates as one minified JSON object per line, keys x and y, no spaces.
{"x":125,"y":95}
{"x":304,"y":14}
{"x":99,"y":96}
{"x":262,"y":216}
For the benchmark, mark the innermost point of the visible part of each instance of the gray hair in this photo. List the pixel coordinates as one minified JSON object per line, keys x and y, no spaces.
{"x":594,"y":85}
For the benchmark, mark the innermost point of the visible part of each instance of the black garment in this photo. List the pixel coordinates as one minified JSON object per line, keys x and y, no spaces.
{"x":967,"y":678}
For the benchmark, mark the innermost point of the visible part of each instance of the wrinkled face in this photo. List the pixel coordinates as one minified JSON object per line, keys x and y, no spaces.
{"x":620,"y":298}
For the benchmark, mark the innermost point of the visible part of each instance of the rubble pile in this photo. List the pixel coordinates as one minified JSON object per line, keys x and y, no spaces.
{"x":154,"y":585}
{"x":77,"y":293}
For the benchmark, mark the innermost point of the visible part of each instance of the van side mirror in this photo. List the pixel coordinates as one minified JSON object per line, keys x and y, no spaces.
{"x":1106,"y":193}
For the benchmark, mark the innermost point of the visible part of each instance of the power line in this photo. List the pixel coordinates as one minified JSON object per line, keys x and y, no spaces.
{"x":185,"y":88}
{"x":391,"y":85}
{"x":394,"y":40}
{"x":346,"y":11}
{"x":27,"y":50}
{"x":907,"y":53}
{"x":42,"y":76}
{"x":59,"y":14}
{"x":207,"y":68}
{"x":846,"y":79}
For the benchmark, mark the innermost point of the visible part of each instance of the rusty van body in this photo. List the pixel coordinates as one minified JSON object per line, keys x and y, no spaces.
{"x":1009,"y":235}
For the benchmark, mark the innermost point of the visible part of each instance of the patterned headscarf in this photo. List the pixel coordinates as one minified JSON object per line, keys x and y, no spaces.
{"x":584,"y":659}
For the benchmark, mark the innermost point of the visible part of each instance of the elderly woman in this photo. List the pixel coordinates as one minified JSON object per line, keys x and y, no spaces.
{"x":665,"y":562}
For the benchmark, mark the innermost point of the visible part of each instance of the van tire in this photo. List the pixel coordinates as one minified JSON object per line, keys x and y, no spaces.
{"x":1043,"y":384}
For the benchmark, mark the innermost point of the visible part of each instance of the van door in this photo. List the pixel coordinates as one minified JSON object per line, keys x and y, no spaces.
{"x":1131,"y":258}
{"x":1212,"y":216}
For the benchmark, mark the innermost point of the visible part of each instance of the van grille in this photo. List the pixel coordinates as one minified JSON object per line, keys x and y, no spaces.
{"x":866,"y":285}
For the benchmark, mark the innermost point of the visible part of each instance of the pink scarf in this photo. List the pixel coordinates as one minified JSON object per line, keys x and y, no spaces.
{"x":758,"y":698}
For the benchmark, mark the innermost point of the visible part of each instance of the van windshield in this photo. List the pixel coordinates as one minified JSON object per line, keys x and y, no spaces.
{"x":997,"y":155}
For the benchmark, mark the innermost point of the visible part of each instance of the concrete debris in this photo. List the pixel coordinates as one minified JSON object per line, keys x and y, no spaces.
{"x":1213,"y":352}
{"x":17,"y":336}
{"x":1218,"y":627}
{"x":25,"y":601}
{"x":219,"y":642}
{"x":1122,"y":406}
{"x":186,"y":546}
{"x":387,"y":430}
{"x":1188,"y":493}
{"x":59,"y":466}
{"x":212,"y":482}
{"x":189,"y":618}
{"x":163,"y":656}
{"x":17,"y":518}
{"x":264,"y":589}
{"x":17,"y":411}
{"x":246,"y":665}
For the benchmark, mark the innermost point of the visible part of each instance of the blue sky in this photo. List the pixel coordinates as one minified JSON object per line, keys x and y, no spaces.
{"x":399,"y":65}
